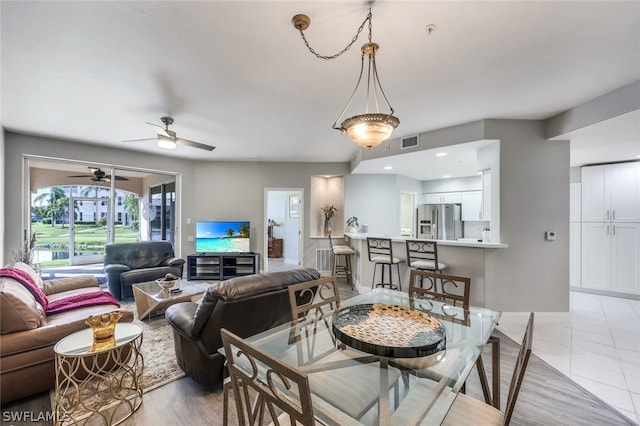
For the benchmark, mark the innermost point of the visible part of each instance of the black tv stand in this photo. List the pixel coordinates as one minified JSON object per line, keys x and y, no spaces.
{"x":222,"y":266}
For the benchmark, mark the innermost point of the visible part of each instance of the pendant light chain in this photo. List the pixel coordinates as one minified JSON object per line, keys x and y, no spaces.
{"x":347,"y":47}
{"x":370,"y":128}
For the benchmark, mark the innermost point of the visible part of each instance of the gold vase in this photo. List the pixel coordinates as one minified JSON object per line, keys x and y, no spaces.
{"x":104,"y":329}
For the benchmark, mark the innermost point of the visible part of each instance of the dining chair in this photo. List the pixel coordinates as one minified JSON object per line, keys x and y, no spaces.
{"x":361,"y":372}
{"x":423,"y":255}
{"x":380,"y":251}
{"x":456,"y":290}
{"x":341,"y":252}
{"x":275,"y":385}
{"x":323,"y":297}
{"x":467,"y":410}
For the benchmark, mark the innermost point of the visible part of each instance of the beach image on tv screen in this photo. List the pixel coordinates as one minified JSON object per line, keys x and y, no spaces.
{"x":224,"y":236}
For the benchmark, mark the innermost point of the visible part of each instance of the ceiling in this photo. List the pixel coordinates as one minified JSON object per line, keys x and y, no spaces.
{"x":236,"y":74}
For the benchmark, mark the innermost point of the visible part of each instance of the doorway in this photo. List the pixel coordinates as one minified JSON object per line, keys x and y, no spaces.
{"x":407,"y":214}
{"x":283,"y":229}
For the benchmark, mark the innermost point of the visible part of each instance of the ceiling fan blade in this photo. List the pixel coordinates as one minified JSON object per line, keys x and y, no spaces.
{"x":140,"y":140}
{"x":193,"y":144}
{"x":121,"y":178}
{"x":79,"y":176}
{"x":154,"y":124}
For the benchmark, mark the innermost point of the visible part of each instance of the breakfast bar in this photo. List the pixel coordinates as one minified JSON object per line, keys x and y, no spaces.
{"x":465,"y":258}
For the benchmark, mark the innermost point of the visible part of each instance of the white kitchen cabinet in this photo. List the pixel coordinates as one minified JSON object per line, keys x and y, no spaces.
{"x":625,"y":257}
{"x":443,"y":198}
{"x":596,"y":256}
{"x":611,"y":193}
{"x":574,"y":202}
{"x":472,"y":205}
{"x":610,"y":257}
{"x":574,"y":254}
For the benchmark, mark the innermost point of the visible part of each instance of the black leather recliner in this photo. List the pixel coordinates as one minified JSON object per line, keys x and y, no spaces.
{"x":244,"y":305}
{"x":128,"y":263}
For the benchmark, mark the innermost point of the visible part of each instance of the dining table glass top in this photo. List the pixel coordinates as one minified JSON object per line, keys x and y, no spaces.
{"x":366,"y":384}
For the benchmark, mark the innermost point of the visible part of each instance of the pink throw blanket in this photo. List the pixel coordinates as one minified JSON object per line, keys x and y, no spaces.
{"x":98,"y":297}
{"x":93,"y":298}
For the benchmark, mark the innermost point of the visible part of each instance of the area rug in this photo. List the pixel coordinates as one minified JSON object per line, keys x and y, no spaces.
{"x":160,"y":365}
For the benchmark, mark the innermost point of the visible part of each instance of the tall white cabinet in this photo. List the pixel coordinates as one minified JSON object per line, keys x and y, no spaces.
{"x":610,"y":231}
{"x":575,"y":241}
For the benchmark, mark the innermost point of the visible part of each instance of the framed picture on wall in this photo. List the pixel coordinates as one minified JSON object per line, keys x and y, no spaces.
{"x":294,"y":206}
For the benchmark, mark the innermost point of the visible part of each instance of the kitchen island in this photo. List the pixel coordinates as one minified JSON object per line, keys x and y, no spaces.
{"x":466,"y":258}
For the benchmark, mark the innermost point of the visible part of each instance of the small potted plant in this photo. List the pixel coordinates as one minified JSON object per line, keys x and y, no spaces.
{"x":352,"y":223}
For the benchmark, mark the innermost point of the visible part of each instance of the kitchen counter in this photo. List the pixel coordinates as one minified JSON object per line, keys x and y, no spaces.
{"x":463,"y":258}
{"x":465,"y":242}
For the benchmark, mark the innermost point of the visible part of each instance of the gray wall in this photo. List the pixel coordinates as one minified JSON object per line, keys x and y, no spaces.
{"x":533,"y":174}
{"x":208,"y":190}
{"x":532,"y":274}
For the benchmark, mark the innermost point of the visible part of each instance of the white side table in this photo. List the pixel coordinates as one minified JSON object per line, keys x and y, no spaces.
{"x":103,"y":387}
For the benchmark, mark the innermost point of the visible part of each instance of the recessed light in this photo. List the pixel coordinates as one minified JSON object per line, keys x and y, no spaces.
{"x":388,"y":167}
{"x":637,"y":156}
{"x":446,"y":176}
{"x":441,"y":154}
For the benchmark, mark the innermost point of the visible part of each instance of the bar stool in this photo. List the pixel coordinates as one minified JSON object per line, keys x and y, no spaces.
{"x":381,"y":253}
{"x":422,"y":255}
{"x":341,"y":251}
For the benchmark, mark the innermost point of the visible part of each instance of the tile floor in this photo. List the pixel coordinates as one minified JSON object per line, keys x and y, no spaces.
{"x":596,"y":344}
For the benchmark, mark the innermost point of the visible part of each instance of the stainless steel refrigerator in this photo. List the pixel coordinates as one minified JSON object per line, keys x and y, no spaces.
{"x":439,"y":221}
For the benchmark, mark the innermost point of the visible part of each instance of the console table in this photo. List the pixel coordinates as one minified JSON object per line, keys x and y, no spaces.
{"x":222,"y":266}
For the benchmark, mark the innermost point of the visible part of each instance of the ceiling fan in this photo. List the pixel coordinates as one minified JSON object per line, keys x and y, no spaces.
{"x":98,"y":176}
{"x":167,"y":138}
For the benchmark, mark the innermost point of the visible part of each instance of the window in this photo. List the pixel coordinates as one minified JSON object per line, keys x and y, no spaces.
{"x":119,"y":200}
{"x":119,"y":217}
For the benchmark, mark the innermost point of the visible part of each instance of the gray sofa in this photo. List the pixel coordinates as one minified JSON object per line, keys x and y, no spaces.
{"x":244,"y":305}
{"x":128,"y":263}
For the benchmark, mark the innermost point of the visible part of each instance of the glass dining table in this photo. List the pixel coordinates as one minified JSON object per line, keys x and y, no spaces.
{"x":391,"y":373}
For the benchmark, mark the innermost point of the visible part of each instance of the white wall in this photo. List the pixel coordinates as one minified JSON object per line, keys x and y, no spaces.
{"x":470,"y":183}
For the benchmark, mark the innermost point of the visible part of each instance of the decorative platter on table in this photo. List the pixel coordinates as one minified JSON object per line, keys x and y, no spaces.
{"x":389,"y":330}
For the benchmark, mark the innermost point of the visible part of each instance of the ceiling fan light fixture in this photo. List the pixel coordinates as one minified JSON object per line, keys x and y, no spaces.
{"x":166,"y":143}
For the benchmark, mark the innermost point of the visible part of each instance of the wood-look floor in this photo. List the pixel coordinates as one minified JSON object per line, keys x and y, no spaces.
{"x":547,"y":397}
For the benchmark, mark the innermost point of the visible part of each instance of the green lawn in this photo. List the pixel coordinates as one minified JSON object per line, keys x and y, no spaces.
{"x":89,"y":237}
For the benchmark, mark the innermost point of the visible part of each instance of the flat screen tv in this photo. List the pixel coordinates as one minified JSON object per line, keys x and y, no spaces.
{"x":222,"y":236}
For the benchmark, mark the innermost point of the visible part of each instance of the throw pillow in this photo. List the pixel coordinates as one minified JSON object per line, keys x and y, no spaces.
{"x":32,"y":273}
{"x":26,"y":280}
{"x":19,"y":310}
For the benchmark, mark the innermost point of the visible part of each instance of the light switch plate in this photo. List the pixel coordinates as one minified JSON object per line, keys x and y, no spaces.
{"x":550,"y":235}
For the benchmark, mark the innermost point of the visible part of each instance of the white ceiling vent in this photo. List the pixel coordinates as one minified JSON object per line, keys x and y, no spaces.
{"x":410,"y":142}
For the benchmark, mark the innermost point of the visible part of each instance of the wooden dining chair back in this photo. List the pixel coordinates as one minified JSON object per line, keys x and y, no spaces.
{"x":450,"y":289}
{"x":380,"y":252}
{"x":423,"y":255}
{"x":322,"y":295}
{"x":519,"y":370}
{"x":264,"y":388}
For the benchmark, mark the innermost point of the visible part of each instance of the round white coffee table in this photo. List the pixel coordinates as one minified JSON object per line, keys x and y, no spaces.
{"x":103,"y":387}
